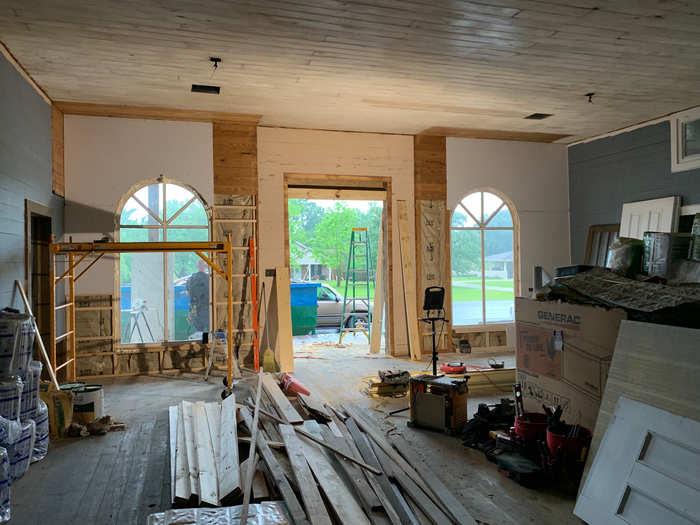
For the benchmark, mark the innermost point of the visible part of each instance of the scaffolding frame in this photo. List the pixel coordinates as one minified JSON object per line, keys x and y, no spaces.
{"x":85,"y":249}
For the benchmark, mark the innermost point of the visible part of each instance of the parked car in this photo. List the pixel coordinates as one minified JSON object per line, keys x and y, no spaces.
{"x":330,"y":308}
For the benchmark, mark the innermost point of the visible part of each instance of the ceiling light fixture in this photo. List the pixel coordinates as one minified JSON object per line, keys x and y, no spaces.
{"x":538,"y":116}
{"x":202,"y":88}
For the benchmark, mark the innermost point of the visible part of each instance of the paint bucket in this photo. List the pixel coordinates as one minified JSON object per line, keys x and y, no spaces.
{"x":531,"y":425}
{"x":573,"y":448}
{"x":71,"y":387}
{"x":88,"y":404}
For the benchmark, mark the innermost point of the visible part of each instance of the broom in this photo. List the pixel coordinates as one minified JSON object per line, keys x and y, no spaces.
{"x":269,"y":364}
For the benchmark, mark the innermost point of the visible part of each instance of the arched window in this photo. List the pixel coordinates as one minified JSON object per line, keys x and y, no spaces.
{"x":164,"y":296}
{"x":484,"y":259}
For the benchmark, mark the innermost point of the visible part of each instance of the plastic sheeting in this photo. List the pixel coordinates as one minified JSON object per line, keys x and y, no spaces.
{"x":265,"y":513}
{"x":4,"y":486}
{"x":41,"y":442}
{"x":20,"y":453}
{"x":10,"y":431}
{"x":10,"y":398}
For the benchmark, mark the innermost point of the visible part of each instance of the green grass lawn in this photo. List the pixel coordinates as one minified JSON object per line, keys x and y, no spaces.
{"x":360,"y":290}
{"x":474,"y":294}
{"x":501,"y":283}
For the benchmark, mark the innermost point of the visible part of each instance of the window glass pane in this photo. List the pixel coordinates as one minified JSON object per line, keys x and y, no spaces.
{"x":142,"y":300}
{"x":152,"y":197}
{"x":140,"y":234}
{"x":691,"y":138}
{"x":189,"y":287}
{"x":498,"y":261}
{"x":466,"y":277}
{"x":502,"y":219}
{"x":460,"y":218}
{"x":193,"y":214}
{"x":491,"y":204}
{"x":133,"y":213}
{"x":472,"y":203}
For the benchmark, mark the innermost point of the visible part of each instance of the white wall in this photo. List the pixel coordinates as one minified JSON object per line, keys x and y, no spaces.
{"x":283,"y":151}
{"x":535,"y":177}
{"x":105,"y":157}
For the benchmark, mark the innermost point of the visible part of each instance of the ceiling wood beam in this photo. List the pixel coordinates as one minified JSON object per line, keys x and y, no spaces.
{"x":152,"y":113}
{"x":493,"y":134}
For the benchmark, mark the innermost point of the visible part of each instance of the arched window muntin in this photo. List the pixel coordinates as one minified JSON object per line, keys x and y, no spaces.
{"x":155,"y":303}
{"x":484,"y":258}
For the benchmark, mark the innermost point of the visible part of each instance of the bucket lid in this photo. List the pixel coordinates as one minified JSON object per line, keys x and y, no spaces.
{"x":72,"y":386}
{"x":87,"y":388}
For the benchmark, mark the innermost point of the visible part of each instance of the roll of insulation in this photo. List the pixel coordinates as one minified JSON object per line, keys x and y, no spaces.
{"x":11,"y":397}
{"x":20,"y":453}
{"x":41,"y":443}
{"x":10,"y":341}
{"x":5,"y":514}
{"x":30,"y":392}
{"x":26,"y":346}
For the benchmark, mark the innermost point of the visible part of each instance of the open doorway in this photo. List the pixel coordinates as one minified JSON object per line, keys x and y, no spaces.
{"x":38,"y":230}
{"x":333,"y":258}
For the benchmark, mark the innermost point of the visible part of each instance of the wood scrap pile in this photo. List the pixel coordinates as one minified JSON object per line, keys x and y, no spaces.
{"x":335,"y":467}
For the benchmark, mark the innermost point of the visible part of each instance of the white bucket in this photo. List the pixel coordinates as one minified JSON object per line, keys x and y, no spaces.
{"x":88,"y":404}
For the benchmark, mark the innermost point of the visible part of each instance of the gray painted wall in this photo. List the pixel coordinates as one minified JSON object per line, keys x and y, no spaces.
{"x":633,"y":166}
{"x":25,"y":172}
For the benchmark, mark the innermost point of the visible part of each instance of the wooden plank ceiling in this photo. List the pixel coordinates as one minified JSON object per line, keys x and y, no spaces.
{"x":400,"y":66}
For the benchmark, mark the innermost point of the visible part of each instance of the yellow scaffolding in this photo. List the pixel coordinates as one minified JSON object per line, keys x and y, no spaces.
{"x":84,"y":249}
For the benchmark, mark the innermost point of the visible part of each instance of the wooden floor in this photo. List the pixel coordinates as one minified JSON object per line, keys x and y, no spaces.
{"x":122,"y":477}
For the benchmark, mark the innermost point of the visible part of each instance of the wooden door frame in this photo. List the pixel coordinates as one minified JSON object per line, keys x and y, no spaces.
{"x":31,"y":208}
{"x":324,"y":182}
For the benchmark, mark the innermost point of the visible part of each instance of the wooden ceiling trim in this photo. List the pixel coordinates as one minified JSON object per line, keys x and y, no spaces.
{"x":58,"y":179}
{"x":494,"y":134}
{"x":12,"y":60}
{"x":235,"y":149}
{"x":152,"y":113}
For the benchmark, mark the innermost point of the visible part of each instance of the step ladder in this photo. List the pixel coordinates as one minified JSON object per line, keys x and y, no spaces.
{"x":357,"y":283}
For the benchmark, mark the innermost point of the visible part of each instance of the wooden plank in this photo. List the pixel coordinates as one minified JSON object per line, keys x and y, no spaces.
{"x":397,"y":513}
{"x":409,"y":281}
{"x":449,"y":502}
{"x":293,"y":506}
{"x":314,"y":406}
{"x":172,"y":430}
{"x":254,"y":431}
{"x":188,"y":425}
{"x":206,"y":463}
{"x":260,"y":489}
{"x":432,"y":511}
{"x":227,"y":467}
{"x":369,"y":500}
{"x":284,"y":352}
{"x":373,"y":433}
{"x":235,"y":152}
{"x":282,"y":404}
{"x":151,"y":112}
{"x":344,"y":503}
{"x":494,"y":134}
{"x":315,"y":508}
{"x":58,"y":179}
{"x":335,"y":194}
{"x":182,"y":486}
{"x":378,"y":307}
{"x":213,"y":413}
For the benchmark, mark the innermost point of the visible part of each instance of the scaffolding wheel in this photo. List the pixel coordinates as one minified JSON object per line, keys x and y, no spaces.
{"x":226,"y":392}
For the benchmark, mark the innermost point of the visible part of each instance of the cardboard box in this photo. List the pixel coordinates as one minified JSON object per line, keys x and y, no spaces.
{"x":563,"y":352}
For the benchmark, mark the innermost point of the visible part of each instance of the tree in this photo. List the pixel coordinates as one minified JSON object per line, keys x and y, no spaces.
{"x":332,"y":238}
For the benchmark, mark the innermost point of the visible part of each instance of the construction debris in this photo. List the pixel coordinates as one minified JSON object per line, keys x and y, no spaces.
{"x":335,"y":468}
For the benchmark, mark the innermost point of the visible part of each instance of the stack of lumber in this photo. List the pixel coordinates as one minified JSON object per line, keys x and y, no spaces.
{"x":204,"y":451}
{"x":334,"y":467}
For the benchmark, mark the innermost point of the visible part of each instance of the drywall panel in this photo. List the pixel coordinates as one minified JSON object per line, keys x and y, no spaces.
{"x":25,"y":173}
{"x":105,"y":157}
{"x":629,"y":167}
{"x":283,"y":151}
{"x":534,"y":177}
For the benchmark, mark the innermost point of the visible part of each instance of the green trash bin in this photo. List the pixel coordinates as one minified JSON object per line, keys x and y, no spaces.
{"x":304,"y":303}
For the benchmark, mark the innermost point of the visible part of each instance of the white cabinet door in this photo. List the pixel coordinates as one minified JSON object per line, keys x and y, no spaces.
{"x":646,"y":472}
{"x":656,"y":215}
